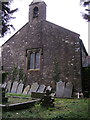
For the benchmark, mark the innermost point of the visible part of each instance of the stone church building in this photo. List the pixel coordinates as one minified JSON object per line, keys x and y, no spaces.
{"x":45,"y":51}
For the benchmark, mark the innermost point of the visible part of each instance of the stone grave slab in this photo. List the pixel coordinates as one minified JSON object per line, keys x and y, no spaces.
{"x":14,"y":87}
{"x":41,"y":89}
{"x":34,"y":88}
{"x":26,"y":89}
{"x":8,"y":87}
{"x":20,"y":88}
{"x":68,"y":90}
{"x":37,"y":95}
{"x":60,"y":89}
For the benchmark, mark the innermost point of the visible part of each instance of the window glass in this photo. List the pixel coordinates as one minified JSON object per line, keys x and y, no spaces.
{"x":32,"y":60}
{"x":37,"y":60}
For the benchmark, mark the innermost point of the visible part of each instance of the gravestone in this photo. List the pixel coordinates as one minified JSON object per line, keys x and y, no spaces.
{"x":20,"y":88}
{"x":26,"y":89}
{"x":68,"y":90}
{"x":4,"y":85}
{"x":60,"y":89}
{"x":8,"y":87}
{"x":49,"y":88}
{"x":41,"y":89}
{"x":33,"y":88}
{"x":14,"y":87}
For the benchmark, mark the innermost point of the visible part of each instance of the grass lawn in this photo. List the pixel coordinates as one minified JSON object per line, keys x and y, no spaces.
{"x":64,"y":108}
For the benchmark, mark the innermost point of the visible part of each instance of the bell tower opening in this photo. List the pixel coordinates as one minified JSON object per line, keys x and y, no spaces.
{"x":37,"y":11}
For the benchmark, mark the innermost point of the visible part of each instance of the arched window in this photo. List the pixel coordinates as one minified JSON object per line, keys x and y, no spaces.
{"x":35,"y":12}
{"x":33,"y":59}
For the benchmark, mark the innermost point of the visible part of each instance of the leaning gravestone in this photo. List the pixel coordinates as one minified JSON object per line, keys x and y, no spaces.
{"x":4,"y":85}
{"x":68,"y":90}
{"x":26,"y":89}
{"x":41,"y":89}
{"x":20,"y":88}
{"x":8,"y":87}
{"x":49,"y":88}
{"x":14,"y":87}
{"x":60,"y":89}
{"x":33,"y":88}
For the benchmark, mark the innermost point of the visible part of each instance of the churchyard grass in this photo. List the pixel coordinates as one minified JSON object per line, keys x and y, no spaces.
{"x":17,"y":95}
{"x":64,"y":108}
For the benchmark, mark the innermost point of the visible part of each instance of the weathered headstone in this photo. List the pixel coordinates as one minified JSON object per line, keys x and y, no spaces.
{"x":68,"y":90}
{"x":33,"y":88}
{"x":49,"y":88}
{"x":20,"y":88}
{"x":60,"y":89}
{"x":26,"y":89}
{"x":8,"y":87}
{"x":41,"y":89}
{"x":4,"y":85}
{"x":14,"y":87}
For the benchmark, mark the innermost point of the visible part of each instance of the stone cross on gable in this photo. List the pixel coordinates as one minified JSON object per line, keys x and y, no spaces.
{"x":34,"y":1}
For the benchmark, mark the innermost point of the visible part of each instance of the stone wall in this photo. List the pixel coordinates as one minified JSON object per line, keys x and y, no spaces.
{"x":60,"y":47}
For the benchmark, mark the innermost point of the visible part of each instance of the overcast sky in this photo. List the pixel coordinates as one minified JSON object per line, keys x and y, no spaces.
{"x":65,"y":13}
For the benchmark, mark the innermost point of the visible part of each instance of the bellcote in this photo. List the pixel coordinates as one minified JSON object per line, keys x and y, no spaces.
{"x":37,"y":11}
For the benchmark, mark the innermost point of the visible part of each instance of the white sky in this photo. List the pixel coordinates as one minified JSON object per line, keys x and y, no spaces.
{"x":65,"y":13}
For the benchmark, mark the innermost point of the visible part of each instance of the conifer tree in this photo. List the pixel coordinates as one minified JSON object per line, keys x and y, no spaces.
{"x":5,"y":16}
{"x":86,"y":4}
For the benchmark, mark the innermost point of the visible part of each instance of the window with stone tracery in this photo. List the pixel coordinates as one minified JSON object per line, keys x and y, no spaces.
{"x":33,"y":59}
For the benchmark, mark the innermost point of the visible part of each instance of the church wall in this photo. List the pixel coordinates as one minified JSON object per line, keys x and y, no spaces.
{"x":59,"y":47}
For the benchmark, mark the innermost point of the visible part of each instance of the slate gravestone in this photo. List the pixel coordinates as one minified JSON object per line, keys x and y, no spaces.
{"x":20,"y":88}
{"x":26,"y":89}
{"x":41,"y":89}
{"x":68,"y":90}
{"x":60,"y":89}
{"x":8,"y":87}
{"x":14,"y":87}
{"x":33,"y":88}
